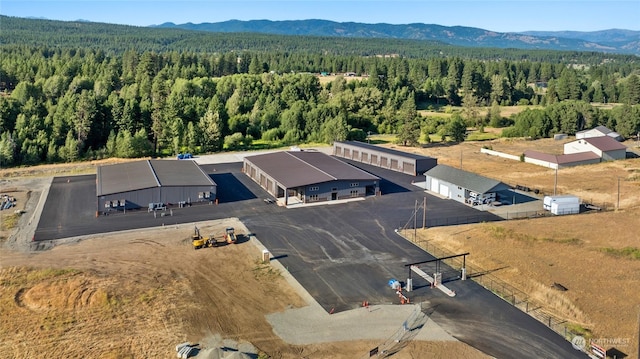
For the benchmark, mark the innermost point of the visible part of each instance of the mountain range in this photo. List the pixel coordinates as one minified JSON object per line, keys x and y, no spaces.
{"x":613,"y":40}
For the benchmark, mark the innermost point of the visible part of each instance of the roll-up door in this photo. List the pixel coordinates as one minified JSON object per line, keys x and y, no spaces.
{"x":435,"y":185}
{"x":409,"y":168}
{"x":444,"y":190}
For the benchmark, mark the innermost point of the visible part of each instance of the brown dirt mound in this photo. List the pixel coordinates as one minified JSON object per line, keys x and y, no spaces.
{"x":63,"y":294}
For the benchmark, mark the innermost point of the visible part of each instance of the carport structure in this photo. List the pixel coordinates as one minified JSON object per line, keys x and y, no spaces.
{"x":143,"y":183}
{"x":462,"y":186}
{"x":309,"y":176}
{"x":405,"y":162}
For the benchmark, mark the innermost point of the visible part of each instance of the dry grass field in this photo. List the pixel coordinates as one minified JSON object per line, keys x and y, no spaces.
{"x":138,"y":294}
{"x":596,"y":256}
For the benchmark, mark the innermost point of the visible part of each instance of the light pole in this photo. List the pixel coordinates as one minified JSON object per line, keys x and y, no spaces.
{"x":618,"y":205}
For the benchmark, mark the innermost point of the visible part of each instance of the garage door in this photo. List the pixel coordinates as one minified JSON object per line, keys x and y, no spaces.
{"x":435,"y":185}
{"x":444,"y":190}
{"x":409,"y":168}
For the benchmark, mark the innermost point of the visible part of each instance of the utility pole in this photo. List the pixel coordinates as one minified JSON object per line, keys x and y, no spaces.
{"x":424,"y":213}
{"x":460,"y":159}
{"x":415,"y":222}
{"x":555,"y":182}
{"x":618,"y":205}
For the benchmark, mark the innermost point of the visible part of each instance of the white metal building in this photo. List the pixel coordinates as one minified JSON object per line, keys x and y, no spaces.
{"x":462,"y":186}
{"x":605,"y":147}
{"x":598,"y":131}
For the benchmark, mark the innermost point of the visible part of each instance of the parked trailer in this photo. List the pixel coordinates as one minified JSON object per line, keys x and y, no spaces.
{"x":564,"y":199}
{"x":559,"y":208}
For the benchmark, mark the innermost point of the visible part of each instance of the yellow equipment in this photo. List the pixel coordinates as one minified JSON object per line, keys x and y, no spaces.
{"x":198,"y":241}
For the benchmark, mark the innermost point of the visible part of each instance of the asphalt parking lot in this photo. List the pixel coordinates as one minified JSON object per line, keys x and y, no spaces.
{"x":342,"y":254}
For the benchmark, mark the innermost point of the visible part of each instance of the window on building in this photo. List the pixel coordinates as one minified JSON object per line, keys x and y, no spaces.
{"x":314,"y":188}
{"x":355,"y":184}
{"x":313,"y":197}
{"x":354,"y":193}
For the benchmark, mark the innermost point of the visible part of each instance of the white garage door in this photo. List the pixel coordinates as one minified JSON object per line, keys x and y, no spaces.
{"x":444,"y":190}
{"x":435,"y":184}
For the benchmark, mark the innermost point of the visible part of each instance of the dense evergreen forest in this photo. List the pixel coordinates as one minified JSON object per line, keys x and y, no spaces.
{"x":65,"y":97}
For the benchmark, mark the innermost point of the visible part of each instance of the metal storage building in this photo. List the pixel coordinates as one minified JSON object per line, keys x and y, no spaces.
{"x":309,"y":176}
{"x":405,"y":162}
{"x":607,"y":148}
{"x":462,"y":186}
{"x":144,"y":183}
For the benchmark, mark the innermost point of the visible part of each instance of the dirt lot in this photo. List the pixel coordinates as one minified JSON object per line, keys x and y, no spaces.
{"x":139,"y":294}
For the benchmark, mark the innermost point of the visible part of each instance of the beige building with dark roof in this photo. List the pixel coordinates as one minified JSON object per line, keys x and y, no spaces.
{"x":309,"y":176}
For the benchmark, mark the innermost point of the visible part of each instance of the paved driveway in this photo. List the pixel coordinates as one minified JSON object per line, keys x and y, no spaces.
{"x":342,"y":254}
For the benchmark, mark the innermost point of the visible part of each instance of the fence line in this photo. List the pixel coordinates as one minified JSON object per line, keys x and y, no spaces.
{"x":407,"y":331}
{"x":502,"y":289}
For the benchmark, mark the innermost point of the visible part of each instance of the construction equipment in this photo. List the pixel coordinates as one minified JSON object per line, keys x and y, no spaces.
{"x":230,"y":235}
{"x":199,"y":241}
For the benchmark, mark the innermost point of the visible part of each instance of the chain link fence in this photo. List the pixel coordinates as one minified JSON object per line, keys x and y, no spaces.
{"x":401,"y":338}
{"x":502,"y":289}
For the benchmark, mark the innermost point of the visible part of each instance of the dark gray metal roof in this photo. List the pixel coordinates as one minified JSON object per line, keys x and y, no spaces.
{"x":302,"y":168}
{"x":390,"y":151}
{"x":180,"y":173}
{"x":464,"y":179}
{"x":131,"y":176}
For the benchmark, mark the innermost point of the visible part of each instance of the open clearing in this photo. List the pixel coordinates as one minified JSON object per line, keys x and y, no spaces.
{"x":138,"y":294}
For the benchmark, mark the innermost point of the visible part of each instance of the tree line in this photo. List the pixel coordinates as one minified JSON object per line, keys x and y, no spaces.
{"x":116,"y":39}
{"x":60,"y":104}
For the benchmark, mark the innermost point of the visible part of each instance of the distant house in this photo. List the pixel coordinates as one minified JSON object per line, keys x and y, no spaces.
{"x":599,"y":131}
{"x":607,"y":148}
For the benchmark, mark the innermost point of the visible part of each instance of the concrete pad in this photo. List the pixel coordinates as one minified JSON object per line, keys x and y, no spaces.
{"x":312,"y":324}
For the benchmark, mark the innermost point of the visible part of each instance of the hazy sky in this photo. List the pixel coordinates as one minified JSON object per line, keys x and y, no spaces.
{"x":506,"y":15}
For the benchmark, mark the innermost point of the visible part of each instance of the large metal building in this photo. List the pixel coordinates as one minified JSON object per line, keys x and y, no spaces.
{"x":405,"y":162}
{"x":462,"y":186}
{"x":309,"y":176}
{"x":152,"y":183}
